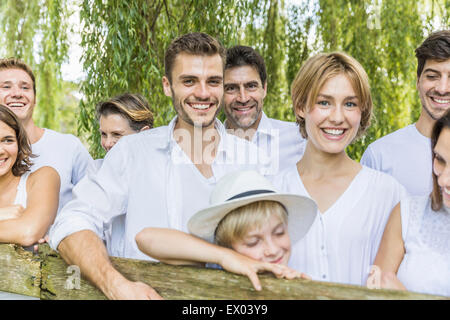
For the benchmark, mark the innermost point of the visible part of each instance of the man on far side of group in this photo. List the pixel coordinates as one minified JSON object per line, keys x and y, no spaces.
{"x":245,"y":87}
{"x":64,"y":152}
{"x":405,"y":154}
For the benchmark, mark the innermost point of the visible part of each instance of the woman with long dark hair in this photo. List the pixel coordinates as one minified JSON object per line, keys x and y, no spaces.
{"x":414,"y":253}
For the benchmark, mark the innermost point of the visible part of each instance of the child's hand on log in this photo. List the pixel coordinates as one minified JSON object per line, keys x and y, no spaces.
{"x":240,"y":264}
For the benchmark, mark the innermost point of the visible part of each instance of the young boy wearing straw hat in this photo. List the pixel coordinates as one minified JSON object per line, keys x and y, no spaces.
{"x":248,"y":222}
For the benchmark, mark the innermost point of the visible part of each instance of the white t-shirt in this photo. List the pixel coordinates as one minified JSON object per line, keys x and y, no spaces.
{"x":426,"y":235}
{"x":67,"y":155}
{"x":343,"y":241}
{"x":406,"y":155}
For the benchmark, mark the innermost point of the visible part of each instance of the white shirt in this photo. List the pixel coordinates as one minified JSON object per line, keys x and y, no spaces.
{"x":426,"y":235}
{"x":146,"y":178}
{"x":343,"y":241}
{"x":281,"y":140}
{"x":67,"y":155}
{"x":406,"y":155}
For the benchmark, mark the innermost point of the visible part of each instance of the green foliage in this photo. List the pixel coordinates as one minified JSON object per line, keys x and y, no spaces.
{"x":124,"y":42}
{"x":35,"y":31}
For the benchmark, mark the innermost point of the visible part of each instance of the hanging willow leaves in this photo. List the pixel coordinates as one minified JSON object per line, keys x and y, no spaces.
{"x":123,"y":45}
{"x":35,"y":31}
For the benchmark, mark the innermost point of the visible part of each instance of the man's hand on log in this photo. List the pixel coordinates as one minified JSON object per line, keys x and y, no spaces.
{"x":130,"y":290}
{"x":240,"y":264}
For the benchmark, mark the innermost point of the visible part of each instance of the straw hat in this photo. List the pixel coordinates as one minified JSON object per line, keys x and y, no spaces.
{"x":240,"y":188}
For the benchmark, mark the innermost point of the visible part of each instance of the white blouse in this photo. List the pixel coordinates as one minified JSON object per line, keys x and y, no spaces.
{"x":21,"y":195}
{"x":343,"y":241}
{"x":426,"y":235}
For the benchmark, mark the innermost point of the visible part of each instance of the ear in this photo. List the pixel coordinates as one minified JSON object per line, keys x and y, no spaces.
{"x":144,"y":128}
{"x":166,"y":86}
{"x":300,"y":112}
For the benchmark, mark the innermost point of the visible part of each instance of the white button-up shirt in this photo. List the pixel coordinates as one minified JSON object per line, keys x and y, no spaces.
{"x":281,"y":140}
{"x":148,"y":179}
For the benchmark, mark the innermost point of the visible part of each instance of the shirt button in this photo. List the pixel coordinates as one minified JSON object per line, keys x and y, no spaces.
{"x":324,"y":276}
{"x":322,"y":247}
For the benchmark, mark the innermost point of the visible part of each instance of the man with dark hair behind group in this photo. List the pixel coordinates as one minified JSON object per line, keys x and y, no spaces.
{"x":245,"y":87}
{"x":405,"y":154}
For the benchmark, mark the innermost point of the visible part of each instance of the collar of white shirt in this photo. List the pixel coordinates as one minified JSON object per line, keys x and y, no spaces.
{"x":226,"y":147}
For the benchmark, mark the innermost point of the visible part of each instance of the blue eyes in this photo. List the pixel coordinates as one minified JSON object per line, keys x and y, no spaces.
{"x":347,"y":104}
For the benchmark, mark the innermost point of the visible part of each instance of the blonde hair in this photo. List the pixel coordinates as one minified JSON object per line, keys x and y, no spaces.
{"x":238,"y":222}
{"x":316,"y":71}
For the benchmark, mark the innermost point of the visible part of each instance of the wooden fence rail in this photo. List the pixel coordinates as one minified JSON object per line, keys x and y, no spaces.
{"x":47,"y":276}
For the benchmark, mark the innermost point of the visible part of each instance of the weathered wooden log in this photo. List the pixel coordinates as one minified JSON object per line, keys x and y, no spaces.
{"x":57,"y":280}
{"x":19,"y":271}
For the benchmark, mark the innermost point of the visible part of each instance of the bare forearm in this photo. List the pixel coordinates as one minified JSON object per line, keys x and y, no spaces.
{"x":87,"y":251}
{"x":23,"y":231}
{"x":176,"y":247}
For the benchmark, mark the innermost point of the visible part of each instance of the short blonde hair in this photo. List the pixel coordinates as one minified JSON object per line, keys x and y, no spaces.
{"x":316,"y":71}
{"x":238,"y":222}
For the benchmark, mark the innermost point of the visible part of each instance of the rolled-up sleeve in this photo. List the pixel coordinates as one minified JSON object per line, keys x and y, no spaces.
{"x":97,"y":198}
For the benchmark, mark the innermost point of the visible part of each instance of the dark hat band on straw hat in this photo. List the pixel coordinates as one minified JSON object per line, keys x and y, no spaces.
{"x":249,"y":193}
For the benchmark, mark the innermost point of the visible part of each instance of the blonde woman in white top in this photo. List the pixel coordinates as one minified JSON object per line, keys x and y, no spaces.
{"x":333,"y":106}
{"x":28,"y":201}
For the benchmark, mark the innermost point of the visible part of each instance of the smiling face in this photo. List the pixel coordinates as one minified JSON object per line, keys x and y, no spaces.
{"x":196,"y":89}
{"x":434,"y":88}
{"x":270,"y":243}
{"x":243,"y":97}
{"x":113,"y":127}
{"x":8,"y":148}
{"x":16,"y":92}
{"x":333,"y":121}
{"x":441,"y":164}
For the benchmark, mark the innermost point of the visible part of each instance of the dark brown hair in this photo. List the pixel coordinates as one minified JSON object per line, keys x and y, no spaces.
{"x":195,"y":43}
{"x":435,"y":47}
{"x":441,"y":123}
{"x":131,"y":106}
{"x":14,"y":63}
{"x":239,"y":56}
{"x":23,"y":162}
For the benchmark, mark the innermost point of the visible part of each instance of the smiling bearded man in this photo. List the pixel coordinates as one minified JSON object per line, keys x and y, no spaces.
{"x":245,"y":87}
{"x":158,"y":177}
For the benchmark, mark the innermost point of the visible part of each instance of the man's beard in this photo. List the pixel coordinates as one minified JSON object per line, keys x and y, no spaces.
{"x":181,"y":112}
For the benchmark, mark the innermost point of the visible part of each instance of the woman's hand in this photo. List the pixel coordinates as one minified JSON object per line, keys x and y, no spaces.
{"x":40,"y":241}
{"x":240,"y":264}
{"x":383,"y":280}
{"x":11,"y":212}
